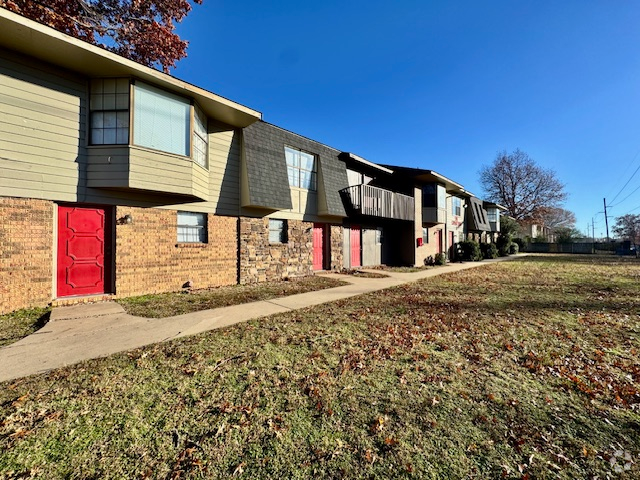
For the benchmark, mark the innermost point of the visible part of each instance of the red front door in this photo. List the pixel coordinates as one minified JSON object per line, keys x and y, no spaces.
{"x":318,"y":246}
{"x":354,"y":238}
{"x":81,"y":251}
{"x":440,"y":241}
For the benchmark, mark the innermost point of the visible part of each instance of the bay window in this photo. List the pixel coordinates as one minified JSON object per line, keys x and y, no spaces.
{"x":160,"y":120}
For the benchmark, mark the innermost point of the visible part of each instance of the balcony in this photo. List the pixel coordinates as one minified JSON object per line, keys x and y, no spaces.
{"x":378,"y":202}
{"x":434,"y":215}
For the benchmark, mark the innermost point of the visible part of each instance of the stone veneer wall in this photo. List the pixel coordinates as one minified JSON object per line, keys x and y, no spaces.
{"x":26,"y":253}
{"x":261,"y":261}
{"x":148,"y":258}
{"x":337,"y":250}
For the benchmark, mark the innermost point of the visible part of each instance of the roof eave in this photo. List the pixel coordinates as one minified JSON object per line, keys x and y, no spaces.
{"x":33,"y":39}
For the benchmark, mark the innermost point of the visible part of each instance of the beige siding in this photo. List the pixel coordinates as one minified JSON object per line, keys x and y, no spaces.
{"x":224,"y":168}
{"x":41,"y":135}
{"x":43,"y":151}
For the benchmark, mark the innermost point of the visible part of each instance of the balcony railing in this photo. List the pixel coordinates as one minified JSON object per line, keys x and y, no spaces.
{"x":378,"y":202}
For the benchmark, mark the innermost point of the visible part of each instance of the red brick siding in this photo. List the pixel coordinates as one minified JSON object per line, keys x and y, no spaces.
{"x":148,"y":258}
{"x":26,"y":253}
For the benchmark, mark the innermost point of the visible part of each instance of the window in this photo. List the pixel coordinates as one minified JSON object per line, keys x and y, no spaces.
{"x":192,"y":227}
{"x":301,"y":168}
{"x":429,"y":196}
{"x":433,"y":196}
{"x":161,"y":120}
{"x":456,"y":206}
{"x":277,"y":231}
{"x":492,"y":215}
{"x":109,"y":111}
{"x":425,"y":235}
{"x":200,"y":137}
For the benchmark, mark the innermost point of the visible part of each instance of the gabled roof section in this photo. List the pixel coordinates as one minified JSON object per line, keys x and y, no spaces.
{"x":35,"y":40}
{"x":427,"y":176}
{"x":356,"y":161}
{"x":502,"y":208}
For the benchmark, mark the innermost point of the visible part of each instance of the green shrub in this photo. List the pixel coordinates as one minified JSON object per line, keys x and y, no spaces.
{"x":489,"y":250}
{"x":514,"y":248}
{"x":470,"y":251}
{"x":503,"y":243}
{"x":520,"y":242}
{"x":440,"y":259}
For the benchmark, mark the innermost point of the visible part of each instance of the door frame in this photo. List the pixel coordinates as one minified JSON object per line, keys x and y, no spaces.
{"x":109,"y":246}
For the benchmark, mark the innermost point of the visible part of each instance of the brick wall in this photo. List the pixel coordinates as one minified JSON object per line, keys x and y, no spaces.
{"x":26,"y":253}
{"x":148,"y":258}
{"x":261,"y":261}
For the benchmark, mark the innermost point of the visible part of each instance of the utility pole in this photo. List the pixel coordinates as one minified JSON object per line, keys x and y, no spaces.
{"x":606,"y":219}
{"x":593,"y":230}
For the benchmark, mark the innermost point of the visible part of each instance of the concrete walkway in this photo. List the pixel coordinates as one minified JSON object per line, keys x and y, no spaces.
{"x":87,"y":331}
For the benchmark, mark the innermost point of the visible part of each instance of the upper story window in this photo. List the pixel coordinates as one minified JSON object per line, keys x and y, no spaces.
{"x":200,"y":137}
{"x":109,"y":107}
{"x":492,"y":215}
{"x":160,"y":120}
{"x":301,"y":168}
{"x":456,"y":206}
{"x":433,"y":196}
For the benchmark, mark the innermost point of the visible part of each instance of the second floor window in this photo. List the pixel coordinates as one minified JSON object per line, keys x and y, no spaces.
{"x":456,"y":206}
{"x":161,"y":120}
{"x":301,"y":168}
{"x":109,"y":107}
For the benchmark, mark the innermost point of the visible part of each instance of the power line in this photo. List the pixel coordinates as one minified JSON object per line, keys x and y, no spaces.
{"x":622,"y":201}
{"x":625,"y":185}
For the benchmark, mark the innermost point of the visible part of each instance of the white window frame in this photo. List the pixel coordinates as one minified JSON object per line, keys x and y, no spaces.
{"x":161,"y":120}
{"x":456,"y":206}
{"x":278,"y":231}
{"x":425,"y":234}
{"x":192,"y":227}
{"x":200,"y":138}
{"x":300,"y":177}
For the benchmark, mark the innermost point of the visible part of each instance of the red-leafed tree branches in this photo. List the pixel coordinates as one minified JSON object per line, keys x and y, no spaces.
{"x":142,"y":30}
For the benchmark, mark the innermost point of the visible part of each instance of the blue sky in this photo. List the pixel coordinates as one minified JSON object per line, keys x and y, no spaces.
{"x":441,"y":85}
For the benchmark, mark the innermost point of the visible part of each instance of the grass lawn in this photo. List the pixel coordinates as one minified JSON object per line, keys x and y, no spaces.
{"x":522,"y":369}
{"x":170,"y":304}
{"x":19,"y":324}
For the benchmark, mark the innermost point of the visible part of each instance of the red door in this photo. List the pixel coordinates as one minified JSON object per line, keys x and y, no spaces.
{"x":318,"y":246}
{"x":354,"y":238}
{"x":81,"y":251}
{"x":440,"y":241}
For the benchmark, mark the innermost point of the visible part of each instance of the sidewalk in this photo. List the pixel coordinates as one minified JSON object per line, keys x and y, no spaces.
{"x":87,"y":331}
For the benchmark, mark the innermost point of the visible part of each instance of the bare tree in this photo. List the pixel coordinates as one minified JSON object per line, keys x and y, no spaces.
{"x":556,"y":217}
{"x":525,"y":189}
{"x":142,"y":30}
